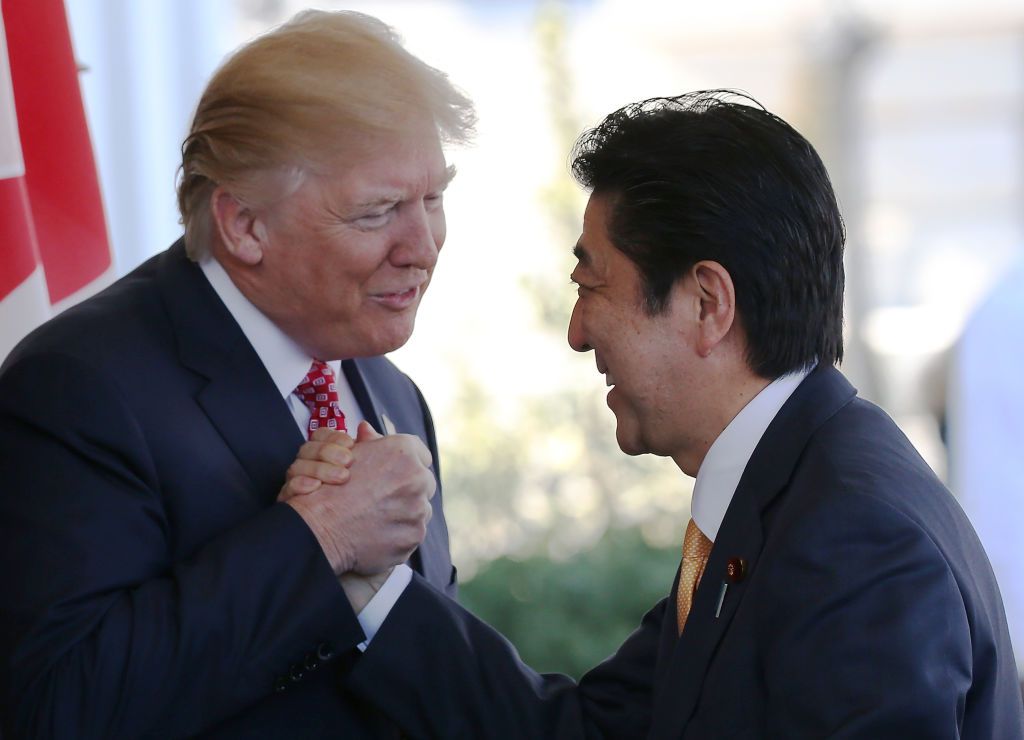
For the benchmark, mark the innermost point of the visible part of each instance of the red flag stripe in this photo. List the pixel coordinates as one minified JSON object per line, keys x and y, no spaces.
{"x":60,"y":172}
{"x":17,"y":257}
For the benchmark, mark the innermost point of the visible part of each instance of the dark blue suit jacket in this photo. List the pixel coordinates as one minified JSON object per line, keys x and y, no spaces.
{"x":150,"y":586}
{"x":866,"y":609}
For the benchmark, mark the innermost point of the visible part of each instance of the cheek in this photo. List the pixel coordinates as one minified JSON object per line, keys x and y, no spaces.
{"x":353,"y":270}
{"x":438,"y":228}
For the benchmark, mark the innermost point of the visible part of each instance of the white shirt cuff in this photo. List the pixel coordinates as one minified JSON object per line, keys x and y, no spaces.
{"x":373,"y":614}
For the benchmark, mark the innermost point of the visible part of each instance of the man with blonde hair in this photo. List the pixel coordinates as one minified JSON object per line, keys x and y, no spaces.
{"x":152,"y":584}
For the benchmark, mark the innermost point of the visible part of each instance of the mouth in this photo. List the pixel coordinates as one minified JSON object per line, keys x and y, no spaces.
{"x":398,"y":300}
{"x":609,"y":380}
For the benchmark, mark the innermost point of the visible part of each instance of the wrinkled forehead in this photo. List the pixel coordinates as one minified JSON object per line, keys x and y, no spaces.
{"x":353,"y":146}
{"x":385,"y":170}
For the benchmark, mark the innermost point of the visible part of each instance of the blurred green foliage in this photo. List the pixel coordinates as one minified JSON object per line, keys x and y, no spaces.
{"x":567,"y":616}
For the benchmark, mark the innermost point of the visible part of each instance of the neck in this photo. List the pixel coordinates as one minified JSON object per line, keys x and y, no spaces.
{"x":725,"y":402}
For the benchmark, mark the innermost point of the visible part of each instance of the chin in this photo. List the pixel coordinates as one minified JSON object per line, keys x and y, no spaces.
{"x":629,"y":442}
{"x":397,"y":339}
{"x":365,"y":346}
{"x":381,"y":345}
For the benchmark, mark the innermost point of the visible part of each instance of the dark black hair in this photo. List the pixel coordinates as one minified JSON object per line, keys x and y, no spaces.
{"x":704,"y":177}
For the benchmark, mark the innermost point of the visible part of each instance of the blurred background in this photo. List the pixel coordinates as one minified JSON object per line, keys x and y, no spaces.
{"x":562,"y":542}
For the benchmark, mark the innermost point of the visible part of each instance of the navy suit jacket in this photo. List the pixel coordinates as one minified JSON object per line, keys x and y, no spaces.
{"x":866,"y":608}
{"x":150,"y":586}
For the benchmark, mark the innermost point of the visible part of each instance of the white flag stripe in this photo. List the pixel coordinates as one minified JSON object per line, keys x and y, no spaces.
{"x":11,"y":162}
{"x":29,"y":305}
{"x":101,"y":282}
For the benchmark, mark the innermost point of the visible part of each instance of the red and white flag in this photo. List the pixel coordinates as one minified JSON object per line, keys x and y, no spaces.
{"x":54,"y":249}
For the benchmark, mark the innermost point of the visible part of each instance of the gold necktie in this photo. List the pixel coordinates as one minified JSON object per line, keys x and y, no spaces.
{"x":696,"y":548}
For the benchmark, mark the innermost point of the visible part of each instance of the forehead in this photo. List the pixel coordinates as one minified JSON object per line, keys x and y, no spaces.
{"x":382,"y":165}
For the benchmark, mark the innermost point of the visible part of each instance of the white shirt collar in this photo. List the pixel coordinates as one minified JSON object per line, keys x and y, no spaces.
{"x":284,"y":359}
{"x":729,"y":454}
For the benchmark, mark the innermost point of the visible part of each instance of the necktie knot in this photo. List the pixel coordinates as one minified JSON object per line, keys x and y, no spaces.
{"x":319,"y":391}
{"x":696,"y":549}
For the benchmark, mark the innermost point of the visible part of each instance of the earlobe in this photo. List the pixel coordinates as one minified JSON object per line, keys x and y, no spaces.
{"x":717,"y":296}
{"x":240,"y":230}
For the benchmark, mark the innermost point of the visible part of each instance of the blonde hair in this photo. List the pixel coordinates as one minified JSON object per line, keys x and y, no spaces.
{"x":287,"y":100}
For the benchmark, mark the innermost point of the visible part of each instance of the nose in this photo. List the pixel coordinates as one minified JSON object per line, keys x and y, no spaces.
{"x":421,"y":239}
{"x":576,"y":339}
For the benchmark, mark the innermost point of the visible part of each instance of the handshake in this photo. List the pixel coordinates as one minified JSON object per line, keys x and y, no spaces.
{"x":367,"y":501}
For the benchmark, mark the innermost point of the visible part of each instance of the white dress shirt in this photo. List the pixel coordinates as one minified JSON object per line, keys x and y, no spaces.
{"x":287,"y":364}
{"x":729,"y":454}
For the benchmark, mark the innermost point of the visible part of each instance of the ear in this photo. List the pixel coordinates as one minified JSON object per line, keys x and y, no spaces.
{"x":241,"y":230}
{"x":717,"y":296}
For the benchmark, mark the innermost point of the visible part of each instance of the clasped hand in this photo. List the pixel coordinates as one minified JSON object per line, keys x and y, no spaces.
{"x":367,"y":500}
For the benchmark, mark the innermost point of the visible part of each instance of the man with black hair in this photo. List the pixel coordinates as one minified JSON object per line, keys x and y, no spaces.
{"x":830,"y":585}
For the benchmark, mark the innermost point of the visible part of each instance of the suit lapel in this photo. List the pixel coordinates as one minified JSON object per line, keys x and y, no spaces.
{"x":431,"y":557}
{"x":255,"y":422}
{"x":242,"y":402}
{"x":239,"y":397}
{"x":741,"y":535}
{"x":692,"y":652}
{"x":365,"y":396}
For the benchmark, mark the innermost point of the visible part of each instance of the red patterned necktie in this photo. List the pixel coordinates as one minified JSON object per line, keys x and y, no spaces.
{"x":319,"y":392}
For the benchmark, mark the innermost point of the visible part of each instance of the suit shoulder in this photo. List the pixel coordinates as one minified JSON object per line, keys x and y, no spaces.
{"x":117,"y":322}
{"x":861,"y":451}
{"x":861,"y":480}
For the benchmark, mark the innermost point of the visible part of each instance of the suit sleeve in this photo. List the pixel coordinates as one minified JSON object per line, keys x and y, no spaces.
{"x":102,"y":633}
{"x":440,"y":672}
{"x":868,"y":634}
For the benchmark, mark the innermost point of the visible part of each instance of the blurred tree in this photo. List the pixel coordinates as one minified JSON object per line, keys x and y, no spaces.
{"x":550,"y":478}
{"x":568,"y":616}
{"x":572,"y":525}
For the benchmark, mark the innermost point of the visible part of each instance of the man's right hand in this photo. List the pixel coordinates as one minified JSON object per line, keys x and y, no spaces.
{"x":379,"y":516}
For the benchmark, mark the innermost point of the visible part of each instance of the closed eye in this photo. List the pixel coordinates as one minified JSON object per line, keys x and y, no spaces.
{"x":371,"y":221}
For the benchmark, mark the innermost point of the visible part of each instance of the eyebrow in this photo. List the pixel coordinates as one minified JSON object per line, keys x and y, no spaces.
{"x":445,"y":180}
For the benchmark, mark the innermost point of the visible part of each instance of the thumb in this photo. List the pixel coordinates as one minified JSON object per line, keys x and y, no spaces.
{"x":365,"y":432}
